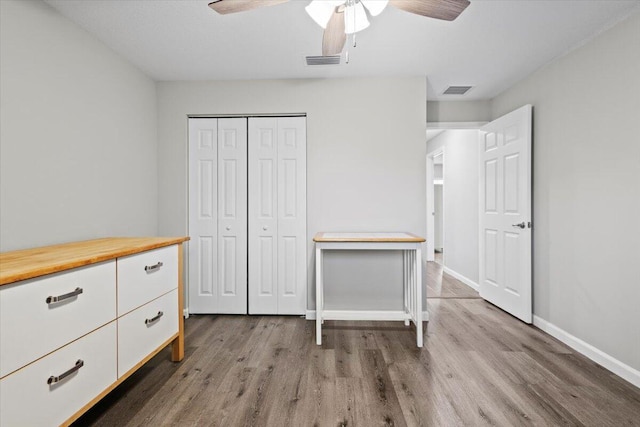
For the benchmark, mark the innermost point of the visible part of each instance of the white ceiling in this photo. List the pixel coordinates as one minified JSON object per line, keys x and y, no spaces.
{"x":491,"y":46}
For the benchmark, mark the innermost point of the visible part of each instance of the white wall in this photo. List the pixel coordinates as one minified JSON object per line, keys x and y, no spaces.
{"x":77,"y":134}
{"x":459,"y":111}
{"x":365,"y":151}
{"x":586,"y":190}
{"x":460,"y":200}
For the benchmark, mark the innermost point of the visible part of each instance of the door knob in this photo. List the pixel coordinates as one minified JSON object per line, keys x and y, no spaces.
{"x":519,"y":225}
{"x":265,"y":228}
{"x":228,"y":228}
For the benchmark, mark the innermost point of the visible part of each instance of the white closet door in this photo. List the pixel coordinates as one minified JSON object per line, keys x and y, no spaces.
{"x":232,"y":216}
{"x":263,"y":216}
{"x":218,"y":216}
{"x":203,"y":215}
{"x":292,"y":215}
{"x":277,"y":216}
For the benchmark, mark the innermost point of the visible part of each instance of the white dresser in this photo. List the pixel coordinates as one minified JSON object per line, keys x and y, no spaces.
{"x":77,"y":319}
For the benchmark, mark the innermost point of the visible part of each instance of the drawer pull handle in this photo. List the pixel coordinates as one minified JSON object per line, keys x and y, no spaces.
{"x":150,"y":268}
{"x":53,"y":379}
{"x":153,"y":319}
{"x":51,"y":300}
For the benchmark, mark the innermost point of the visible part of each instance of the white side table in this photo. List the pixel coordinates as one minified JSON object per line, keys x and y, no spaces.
{"x":409,"y":244}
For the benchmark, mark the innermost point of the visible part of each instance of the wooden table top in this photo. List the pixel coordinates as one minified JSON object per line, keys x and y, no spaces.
{"x":29,"y":263}
{"x":385,"y":237}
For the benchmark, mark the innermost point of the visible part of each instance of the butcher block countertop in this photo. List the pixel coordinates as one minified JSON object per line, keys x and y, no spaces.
{"x":383,"y":237}
{"x":30,"y":263}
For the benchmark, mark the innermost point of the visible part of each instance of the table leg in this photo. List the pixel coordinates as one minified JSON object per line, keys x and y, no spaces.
{"x":411,"y":285}
{"x":319,"y":290}
{"x":405,"y":286}
{"x":418,"y":282}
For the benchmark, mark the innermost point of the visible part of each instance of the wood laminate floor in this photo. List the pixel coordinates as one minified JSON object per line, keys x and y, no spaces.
{"x":479,"y":366}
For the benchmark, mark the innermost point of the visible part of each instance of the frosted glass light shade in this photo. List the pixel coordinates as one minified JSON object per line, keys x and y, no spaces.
{"x":375,"y":7}
{"x":355,"y":19}
{"x":321,"y":10}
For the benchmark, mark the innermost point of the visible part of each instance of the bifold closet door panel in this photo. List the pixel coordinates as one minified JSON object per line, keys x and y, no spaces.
{"x":218,"y":215}
{"x":292,"y":215}
{"x":232,"y":216}
{"x":203,"y":215}
{"x":263,"y":211}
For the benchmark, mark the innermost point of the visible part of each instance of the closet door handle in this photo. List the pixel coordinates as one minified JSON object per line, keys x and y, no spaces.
{"x":150,"y":268}
{"x":153,"y":319}
{"x":54,"y":379}
{"x":51,"y":299}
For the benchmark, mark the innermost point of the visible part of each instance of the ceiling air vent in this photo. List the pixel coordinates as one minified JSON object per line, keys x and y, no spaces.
{"x":457,"y":90}
{"x":323,"y":60}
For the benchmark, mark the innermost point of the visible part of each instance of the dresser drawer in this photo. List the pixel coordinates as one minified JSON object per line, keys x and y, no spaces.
{"x":145,"y":276}
{"x":29,"y":400}
{"x":145,"y":329}
{"x":31,"y":327}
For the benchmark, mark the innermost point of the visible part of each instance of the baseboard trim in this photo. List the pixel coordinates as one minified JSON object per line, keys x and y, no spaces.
{"x":311,"y":315}
{"x":461,"y":278}
{"x":600,"y":357}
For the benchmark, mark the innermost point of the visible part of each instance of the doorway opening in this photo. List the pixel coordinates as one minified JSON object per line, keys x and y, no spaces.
{"x":438,"y":207}
{"x":453,"y":199}
{"x":435,"y":205}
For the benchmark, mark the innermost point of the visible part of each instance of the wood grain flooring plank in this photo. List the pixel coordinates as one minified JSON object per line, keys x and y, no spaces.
{"x":317,"y":407}
{"x":347,"y":357}
{"x":206,"y":383}
{"x":381,"y":399}
{"x":454,"y":369}
{"x":345,"y":401}
{"x":252,"y":351}
{"x":215,"y":409}
{"x":187,"y":382}
{"x":421,"y":397}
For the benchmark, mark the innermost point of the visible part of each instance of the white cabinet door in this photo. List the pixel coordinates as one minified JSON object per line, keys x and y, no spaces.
{"x":218,"y":215}
{"x":232,"y":216}
{"x":277,"y":215}
{"x":505,"y":213}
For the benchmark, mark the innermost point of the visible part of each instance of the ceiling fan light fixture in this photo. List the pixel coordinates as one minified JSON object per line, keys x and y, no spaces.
{"x":321,"y":10}
{"x":355,"y":18}
{"x":375,"y":7}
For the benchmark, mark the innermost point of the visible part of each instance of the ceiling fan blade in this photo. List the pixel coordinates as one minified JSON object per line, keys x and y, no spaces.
{"x":447,"y":10}
{"x":334,"y":36}
{"x":232,"y":6}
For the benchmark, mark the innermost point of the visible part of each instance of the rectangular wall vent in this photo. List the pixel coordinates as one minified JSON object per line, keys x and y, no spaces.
{"x":323,"y":60}
{"x":457,"y":90}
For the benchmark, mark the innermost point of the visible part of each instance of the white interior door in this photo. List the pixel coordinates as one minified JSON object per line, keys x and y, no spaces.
{"x":277,"y":216}
{"x":217,"y":216}
{"x":505,"y":213}
{"x":232,"y":216}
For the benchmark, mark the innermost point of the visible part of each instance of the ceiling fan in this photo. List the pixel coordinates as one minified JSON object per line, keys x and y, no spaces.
{"x":342,"y":17}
